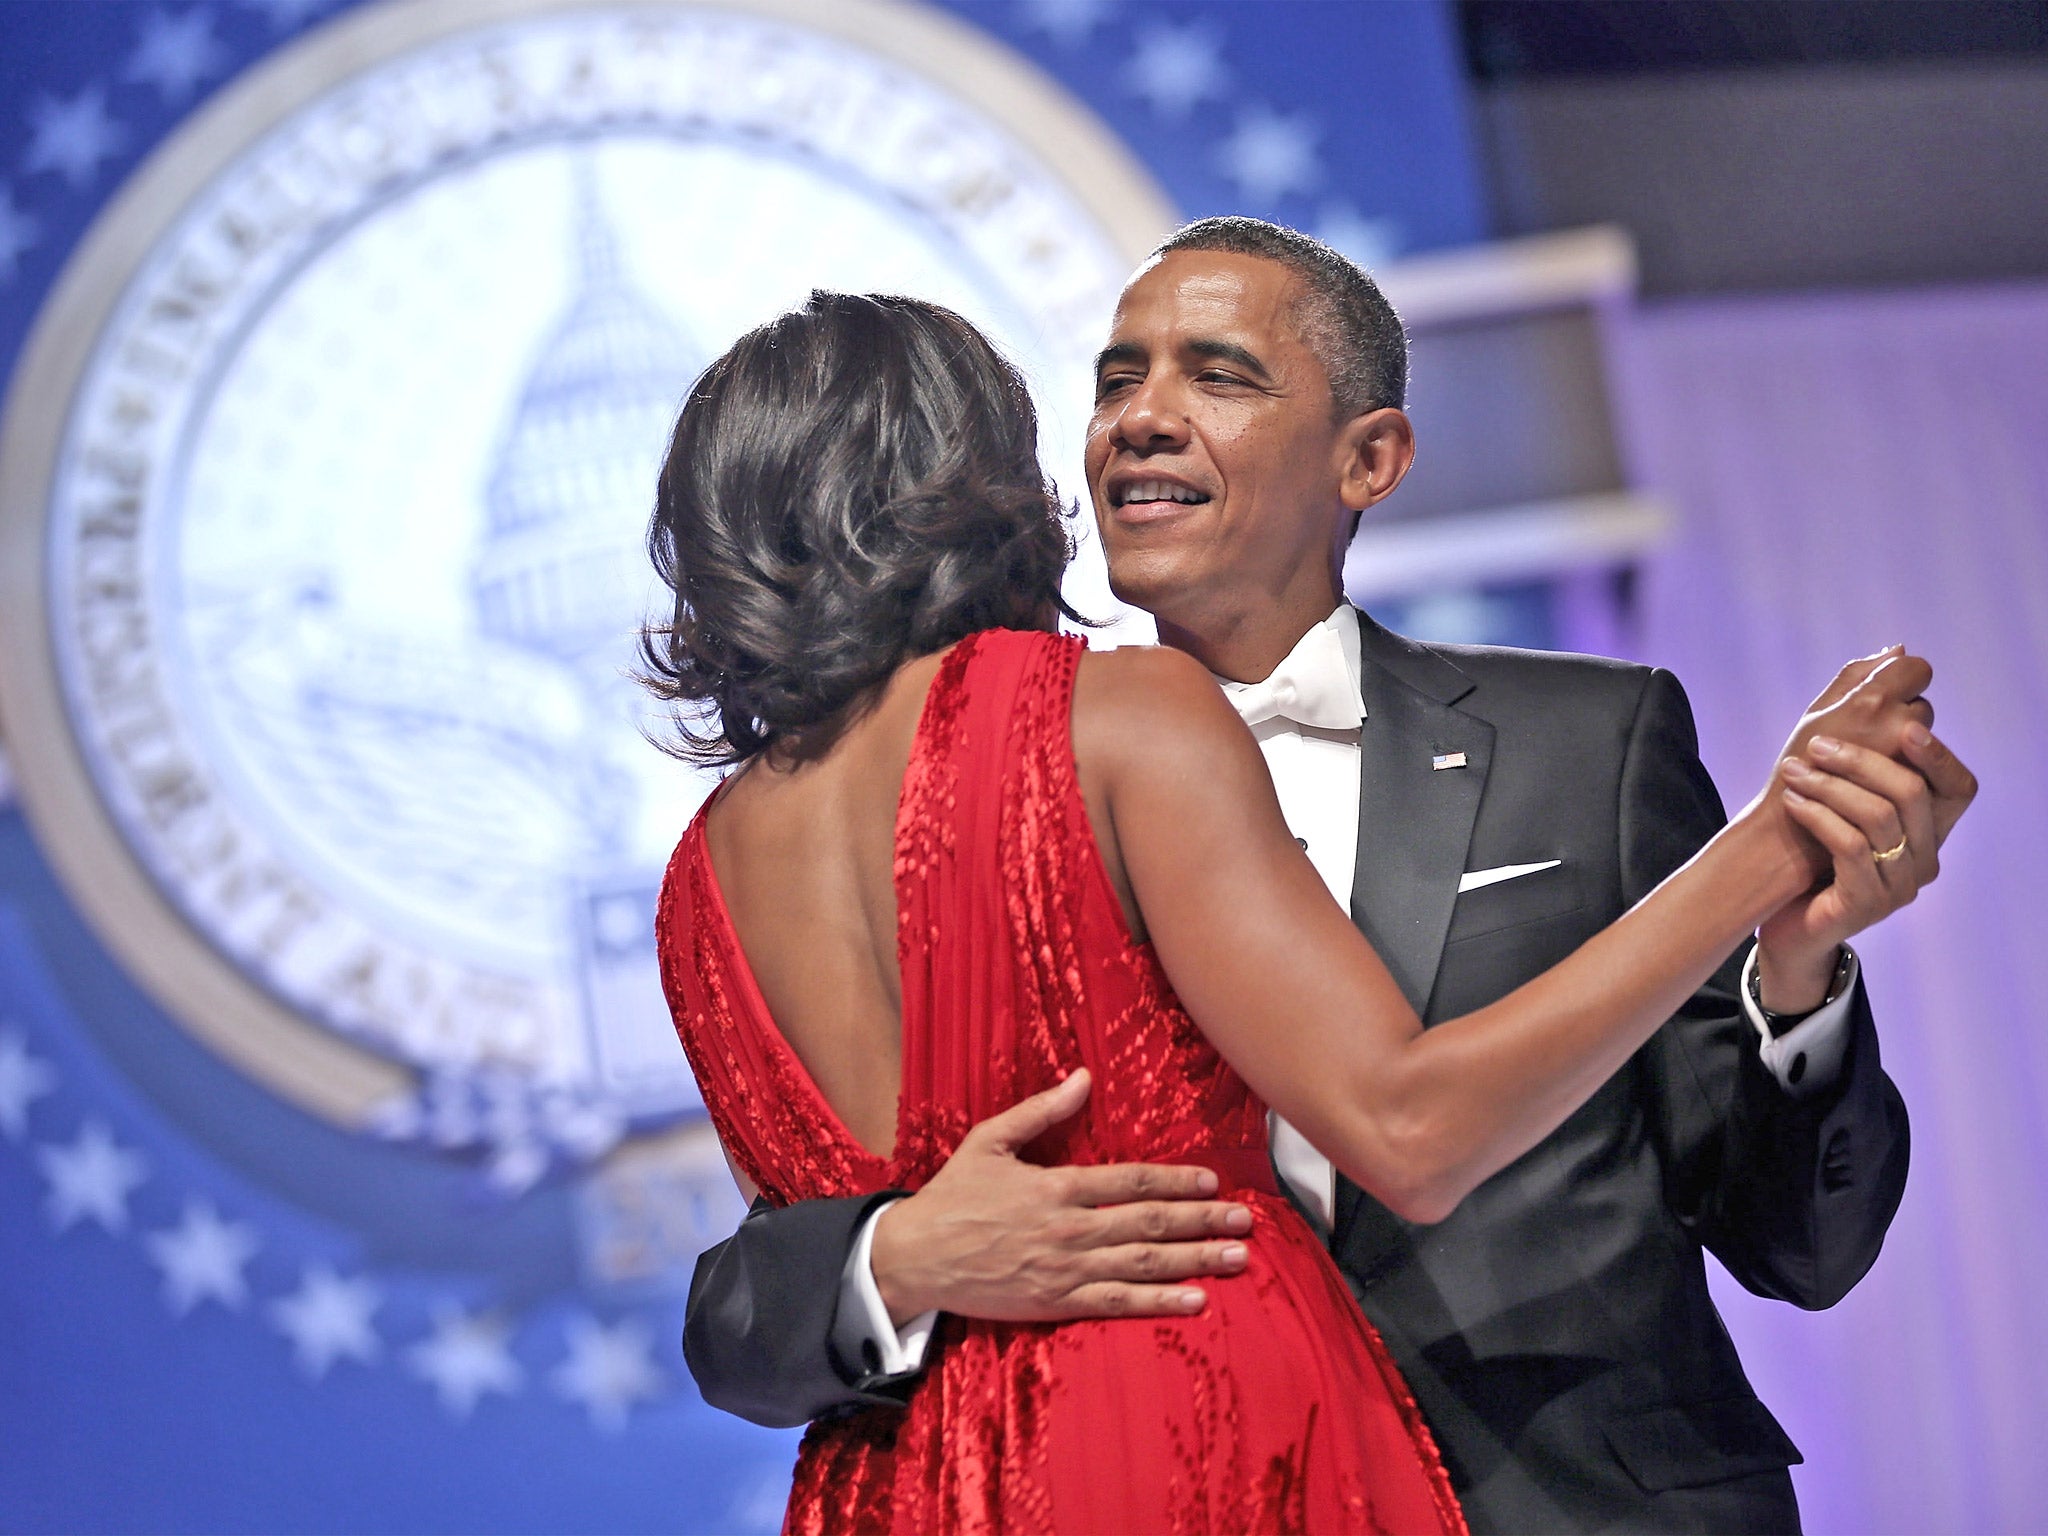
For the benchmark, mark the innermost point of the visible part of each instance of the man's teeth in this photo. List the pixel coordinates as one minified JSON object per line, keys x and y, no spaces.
{"x":1160,"y":490}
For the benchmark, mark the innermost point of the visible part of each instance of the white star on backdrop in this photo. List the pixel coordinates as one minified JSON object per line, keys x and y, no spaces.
{"x":1177,"y":68}
{"x":1269,"y":155}
{"x":202,"y":1259}
{"x":1066,"y":22}
{"x":328,"y":1319}
{"x":175,"y":53}
{"x":286,"y":14}
{"x":23,"y":1078}
{"x":465,"y":1358}
{"x":91,"y":1177}
{"x":17,"y":235}
{"x":607,"y":1370}
{"x":72,"y":137}
{"x":1369,"y":242}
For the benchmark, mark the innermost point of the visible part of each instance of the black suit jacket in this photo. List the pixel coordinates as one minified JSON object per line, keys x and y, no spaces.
{"x":1556,"y":1328}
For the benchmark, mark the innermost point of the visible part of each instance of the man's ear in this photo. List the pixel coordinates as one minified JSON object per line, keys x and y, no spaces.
{"x":1374,"y":450}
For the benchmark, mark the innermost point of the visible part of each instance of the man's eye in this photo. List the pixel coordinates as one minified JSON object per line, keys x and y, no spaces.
{"x":1110,"y":384}
{"x":1218,"y":376}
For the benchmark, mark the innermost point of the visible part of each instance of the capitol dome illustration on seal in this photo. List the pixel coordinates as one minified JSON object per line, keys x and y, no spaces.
{"x":498,"y":769}
{"x":560,"y":572}
{"x":554,"y":576}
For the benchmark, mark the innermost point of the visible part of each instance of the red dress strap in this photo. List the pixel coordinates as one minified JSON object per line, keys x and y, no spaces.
{"x":995,"y":725}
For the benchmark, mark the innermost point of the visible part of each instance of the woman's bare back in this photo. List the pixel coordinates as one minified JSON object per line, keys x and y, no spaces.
{"x":805,"y":859}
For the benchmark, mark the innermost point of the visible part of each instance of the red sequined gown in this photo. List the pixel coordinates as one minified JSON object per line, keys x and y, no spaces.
{"x":1276,"y":1408}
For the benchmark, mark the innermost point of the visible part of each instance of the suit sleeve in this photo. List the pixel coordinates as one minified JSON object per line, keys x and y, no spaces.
{"x":1793,"y":1196}
{"x":758,"y":1332}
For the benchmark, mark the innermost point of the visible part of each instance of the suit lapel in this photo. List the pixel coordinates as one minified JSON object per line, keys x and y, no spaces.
{"x":1414,"y":819}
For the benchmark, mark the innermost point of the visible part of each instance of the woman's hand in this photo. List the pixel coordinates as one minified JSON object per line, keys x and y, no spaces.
{"x":1882,"y":824}
{"x":1877,"y":793}
{"x":1870,"y":703}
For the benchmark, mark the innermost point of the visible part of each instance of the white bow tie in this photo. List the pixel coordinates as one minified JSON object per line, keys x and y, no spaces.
{"x":1311,"y":687}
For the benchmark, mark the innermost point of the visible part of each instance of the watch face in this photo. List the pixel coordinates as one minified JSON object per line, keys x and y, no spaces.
{"x":360,"y":393}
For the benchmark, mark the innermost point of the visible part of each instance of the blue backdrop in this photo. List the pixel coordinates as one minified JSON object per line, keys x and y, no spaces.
{"x":222,"y":1314}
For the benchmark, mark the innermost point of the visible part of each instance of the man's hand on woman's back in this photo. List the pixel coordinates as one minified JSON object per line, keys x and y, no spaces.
{"x":995,"y":1237}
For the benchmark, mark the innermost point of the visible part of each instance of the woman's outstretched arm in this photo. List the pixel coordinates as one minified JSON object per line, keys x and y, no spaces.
{"x":1297,"y":1001}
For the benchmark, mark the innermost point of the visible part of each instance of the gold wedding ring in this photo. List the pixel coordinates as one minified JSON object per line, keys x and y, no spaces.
{"x":1890,"y":853}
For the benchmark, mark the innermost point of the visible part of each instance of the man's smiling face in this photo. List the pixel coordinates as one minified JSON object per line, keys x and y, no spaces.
{"x":1215,"y":459}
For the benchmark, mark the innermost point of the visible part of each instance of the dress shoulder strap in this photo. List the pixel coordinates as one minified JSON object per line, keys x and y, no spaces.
{"x":984,"y":784}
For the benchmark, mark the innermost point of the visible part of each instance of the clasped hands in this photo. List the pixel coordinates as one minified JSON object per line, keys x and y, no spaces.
{"x":1864,"y":795}
{"x":1869,"y":794}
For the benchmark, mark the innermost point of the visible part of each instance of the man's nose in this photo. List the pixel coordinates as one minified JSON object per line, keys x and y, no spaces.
{"x":1152,"y":418}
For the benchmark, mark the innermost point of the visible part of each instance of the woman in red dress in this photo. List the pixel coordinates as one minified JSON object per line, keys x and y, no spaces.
{"x":967,"y":859}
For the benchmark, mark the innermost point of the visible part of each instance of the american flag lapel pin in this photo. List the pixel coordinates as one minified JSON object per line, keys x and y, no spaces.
{"x":1444,"y":760}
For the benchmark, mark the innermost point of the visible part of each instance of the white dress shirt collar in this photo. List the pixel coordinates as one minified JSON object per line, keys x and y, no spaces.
{"x":1315,"y":685}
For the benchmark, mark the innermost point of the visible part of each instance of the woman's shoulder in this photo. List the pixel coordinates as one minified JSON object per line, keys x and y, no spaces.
{"x":1150,"y":702}
{"x":1133,"y":674}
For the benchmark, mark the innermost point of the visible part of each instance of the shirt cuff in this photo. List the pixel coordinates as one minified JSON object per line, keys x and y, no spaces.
{"x":862,"y":1330}
{"x":1807,"y":1058}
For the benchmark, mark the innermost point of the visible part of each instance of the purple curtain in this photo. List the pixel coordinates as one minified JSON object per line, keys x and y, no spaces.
{"x":1853,"y":470}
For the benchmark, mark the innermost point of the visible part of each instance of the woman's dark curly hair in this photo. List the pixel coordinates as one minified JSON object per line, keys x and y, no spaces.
{"x":854,"y":484}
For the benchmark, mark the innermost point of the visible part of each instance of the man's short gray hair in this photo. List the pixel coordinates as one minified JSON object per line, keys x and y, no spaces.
{"x":1345,"y":319}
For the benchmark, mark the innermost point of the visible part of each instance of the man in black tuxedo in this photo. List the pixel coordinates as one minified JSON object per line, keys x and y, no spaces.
{"x":1485,"y":811}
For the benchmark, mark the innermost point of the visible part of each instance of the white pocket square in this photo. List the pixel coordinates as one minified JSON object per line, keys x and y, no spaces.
{"x":1473,"y":879}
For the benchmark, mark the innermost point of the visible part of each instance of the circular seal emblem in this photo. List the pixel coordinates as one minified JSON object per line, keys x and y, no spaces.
{"x":326,"y":479}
